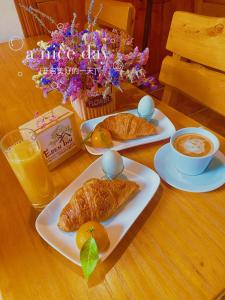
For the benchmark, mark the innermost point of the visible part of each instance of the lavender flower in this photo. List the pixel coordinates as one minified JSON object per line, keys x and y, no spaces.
{"x":96,"y":17}
{"x":73,"y":23}
{"x":90,"y":12}
{"x":97,"y":40}
{"x":91,"y":65}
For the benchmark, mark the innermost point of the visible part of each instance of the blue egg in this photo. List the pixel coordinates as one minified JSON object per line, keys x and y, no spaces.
{"x":112,"y":164}
{"x":146,"y":107}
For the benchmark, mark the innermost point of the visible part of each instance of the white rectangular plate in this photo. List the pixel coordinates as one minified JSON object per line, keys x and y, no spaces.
{"x":116,"y":226}
{"x":164,"y":129}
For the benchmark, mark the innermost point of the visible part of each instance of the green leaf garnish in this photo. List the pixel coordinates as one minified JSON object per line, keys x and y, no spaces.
{"x":89,"y":257}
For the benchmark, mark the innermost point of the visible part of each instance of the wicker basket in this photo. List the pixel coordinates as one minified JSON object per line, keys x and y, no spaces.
{"x":93,"y":107}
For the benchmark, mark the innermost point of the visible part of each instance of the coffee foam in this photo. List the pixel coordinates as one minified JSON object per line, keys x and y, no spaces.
{"x":194,"y":145}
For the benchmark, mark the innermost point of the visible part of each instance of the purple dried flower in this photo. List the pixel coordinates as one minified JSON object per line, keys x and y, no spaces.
{"x":92,"y":64}
{"x":97,"y":40}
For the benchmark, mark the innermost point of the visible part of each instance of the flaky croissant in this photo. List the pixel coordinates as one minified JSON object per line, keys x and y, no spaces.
{"x":96,"y":200}
{"x":126,"y":126}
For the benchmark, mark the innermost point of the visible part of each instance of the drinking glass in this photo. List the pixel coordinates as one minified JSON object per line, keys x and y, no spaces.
{"x":24,"y":155}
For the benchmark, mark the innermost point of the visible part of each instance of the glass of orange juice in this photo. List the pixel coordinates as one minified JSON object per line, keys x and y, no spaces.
{"x":24,"y":155}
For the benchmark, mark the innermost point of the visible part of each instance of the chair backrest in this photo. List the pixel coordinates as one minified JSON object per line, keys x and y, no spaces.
{"x":210,"y":7}
{"x":115,"y":14}
{"x":197,"y":67}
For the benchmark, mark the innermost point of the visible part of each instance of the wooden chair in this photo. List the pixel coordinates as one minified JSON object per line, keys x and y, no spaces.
{"x":210,"y":7}
{"x":197,"y":67}
{"x":115,"y":14}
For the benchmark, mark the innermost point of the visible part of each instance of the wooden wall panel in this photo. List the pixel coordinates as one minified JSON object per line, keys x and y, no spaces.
{"x":51,"y":8}
{"x":60,"y":10}
{"x":214,"y":8}
{"x":140,"y":7}
{"x":162,"y":13}
{"x":29,"y":25}
{"x":77,"y":6}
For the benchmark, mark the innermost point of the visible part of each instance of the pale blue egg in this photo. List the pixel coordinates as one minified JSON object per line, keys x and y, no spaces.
{"x":112,"y":164}
{"x":146,"y":106}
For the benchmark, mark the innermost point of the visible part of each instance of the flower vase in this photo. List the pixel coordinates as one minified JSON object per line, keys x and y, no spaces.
{"x":89,"y":107}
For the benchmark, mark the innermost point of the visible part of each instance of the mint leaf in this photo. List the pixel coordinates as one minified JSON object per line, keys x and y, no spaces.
{"x":89,"y":257}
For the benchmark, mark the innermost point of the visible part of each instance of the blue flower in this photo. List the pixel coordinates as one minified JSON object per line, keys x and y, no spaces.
{"x":84,"y":31}
{"x":95,"y":74}
{"x":114,"y":73}
{"x":55,"y":65}
{"x":68,"y":32}
{"x":53,"y":47}
{"x":56,"y":45}
{"x":45,"y":81}
{"x":115,"y":77}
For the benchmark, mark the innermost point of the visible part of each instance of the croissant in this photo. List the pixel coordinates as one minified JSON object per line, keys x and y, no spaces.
{"x":96,"y":200}
{"x":126,"y":126}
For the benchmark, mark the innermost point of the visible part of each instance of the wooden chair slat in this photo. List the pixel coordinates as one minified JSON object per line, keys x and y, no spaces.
{"x":115,"y":14}
{"x":198,"y":38}
{"x":197,"y":67}
{"x":200,"y":83}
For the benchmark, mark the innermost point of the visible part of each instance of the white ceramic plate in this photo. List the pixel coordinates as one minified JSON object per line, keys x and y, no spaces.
{"x":116,"y":226}
{"x":164,"y":128}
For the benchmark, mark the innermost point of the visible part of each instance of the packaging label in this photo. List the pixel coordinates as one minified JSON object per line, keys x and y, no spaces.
{"x":98,"y":101}
{"x":57,"y":140}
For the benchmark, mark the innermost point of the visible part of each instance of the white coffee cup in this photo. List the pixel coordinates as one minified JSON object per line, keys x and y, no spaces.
{"x":193,"y":165}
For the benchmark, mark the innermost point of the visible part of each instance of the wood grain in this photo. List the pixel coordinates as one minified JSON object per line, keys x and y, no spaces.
{"x":210,"y":7}
{"x":175,"y":249}
{"x":115,"y":14}
{"x":162,"y":14}
{"x":193,"y":79}
{"x":189,"y":37}
{"x":29,"y":24}
{"x":196,"y":37}
{"x":140,"y":13}
{"x":60,"y":10}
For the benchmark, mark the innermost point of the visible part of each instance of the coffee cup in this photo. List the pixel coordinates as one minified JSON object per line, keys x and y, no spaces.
{"x":192,"y":161}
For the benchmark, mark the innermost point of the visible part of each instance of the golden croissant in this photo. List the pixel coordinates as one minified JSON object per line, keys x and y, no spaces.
{"x":96,"y":200}
{"x":126,"y":126}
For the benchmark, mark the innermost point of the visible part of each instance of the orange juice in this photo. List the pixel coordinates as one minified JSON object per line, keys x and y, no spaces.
{"x":26,"y":160}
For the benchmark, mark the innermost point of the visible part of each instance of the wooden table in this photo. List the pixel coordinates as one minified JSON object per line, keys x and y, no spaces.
{"x":175,"y":250}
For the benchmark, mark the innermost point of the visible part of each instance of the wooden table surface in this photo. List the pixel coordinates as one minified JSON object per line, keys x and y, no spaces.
{"x":175,"y":249}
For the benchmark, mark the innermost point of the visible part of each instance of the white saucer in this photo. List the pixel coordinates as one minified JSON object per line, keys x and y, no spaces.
{"x":211,"y":179}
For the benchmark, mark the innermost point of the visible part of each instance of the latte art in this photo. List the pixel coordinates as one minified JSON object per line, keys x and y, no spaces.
{"x":193,"y":145}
